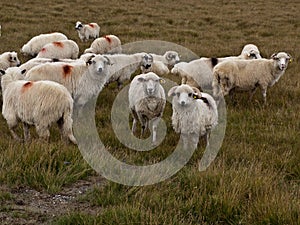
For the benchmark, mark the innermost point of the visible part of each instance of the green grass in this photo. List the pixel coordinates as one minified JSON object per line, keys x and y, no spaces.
{"x":255,"y":177}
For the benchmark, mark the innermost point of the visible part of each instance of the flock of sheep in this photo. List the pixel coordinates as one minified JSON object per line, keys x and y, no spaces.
{"x":46,"y":88}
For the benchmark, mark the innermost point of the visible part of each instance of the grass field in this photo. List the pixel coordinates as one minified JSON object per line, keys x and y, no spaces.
{"x":255,"y":178}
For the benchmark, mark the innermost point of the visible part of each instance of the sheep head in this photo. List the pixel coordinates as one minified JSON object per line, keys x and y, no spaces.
{"x":150,"y":83}
{"x":282,"y":59}
{"x":184,"y":95}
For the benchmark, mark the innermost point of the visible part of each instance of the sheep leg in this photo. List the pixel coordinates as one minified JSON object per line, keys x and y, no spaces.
{"x":135,"y":119}
{"x":43,"y":132}
{"x":264,"y":94}
{"x":12,"y":125}
{"x":252,"y":92}
{"x":144,"y":124}
{"x":26,"y":132}
{"x":66,"y":129}
{"x":194,"y":140}
{"x":154,"y":129}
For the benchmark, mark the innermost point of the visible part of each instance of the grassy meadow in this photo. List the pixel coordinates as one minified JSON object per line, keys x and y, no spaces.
{"x":255,"y":178}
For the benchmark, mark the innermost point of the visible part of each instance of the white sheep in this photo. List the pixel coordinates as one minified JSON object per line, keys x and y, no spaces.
{"x":87,"y":31}
{"x":83,"y":80}
{"x":65,"y":49}
{"x":247,"y":75}
{"x":35,"y":44}
{"x":124,"y":65}
{"x":36,"y":103}
{"x":170,"y":58}
{"x":194,"y":114}
{"x":109,"y":44}
{"x":157,"y":67}
{"x":9,"y":59}
{"x":146,"y":101}
{"x":198,"y":73}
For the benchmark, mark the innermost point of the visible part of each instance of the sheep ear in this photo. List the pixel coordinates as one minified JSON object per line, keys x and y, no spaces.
{"x":162,"y":81}
{"x":89,"y":60}
{"x":169,"y":56}
{"x":273,"y":56}
{"x":196,"y":92}
{"x":172,"y":91}
{"x":2,"y":72}
{"x":108,"y":60}
{"x":290,"y":58}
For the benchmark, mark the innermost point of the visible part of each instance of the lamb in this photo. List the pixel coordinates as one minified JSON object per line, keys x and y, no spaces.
{"x":170,"y":58}
{"x":194,"y":114}
{"x":9,"y":59}
{"x":247,"y":75}
{"x":109,"y":44}
{"x":198,"y":73}
{"x":36,"y":103}
{"x":35,"y":44}
{"x":146,"y":101}
{"x":83,"y":80}
{"x":123,"y":66}
{"x":65,"y":49}
{"x":157,"y":67}
{"x":87,"y":31}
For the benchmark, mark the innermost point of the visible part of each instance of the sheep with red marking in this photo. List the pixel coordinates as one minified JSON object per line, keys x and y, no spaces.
{"x":38,"y":103}
{"x":83,"y":80}
{"x":109,"y":44}
{"x":9,"y":59}
{"x":35,"y":44}
{"x":66,"y":49}
{"x":87,"y":31}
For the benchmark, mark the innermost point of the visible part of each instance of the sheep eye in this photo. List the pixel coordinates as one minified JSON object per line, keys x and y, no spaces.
{"x":190,"y":94}
{"x":178,"y":94}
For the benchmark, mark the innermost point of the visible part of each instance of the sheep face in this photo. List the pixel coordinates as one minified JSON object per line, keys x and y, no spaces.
{"x":98,"y":64}
{"x":147,"y":61}
{"x":13,"y":59}
{"x":172,"y":57}
{"x":15,"y":73}
{"x":184,"y":95}
{"x":282,"y":60}
{"x":78,"y":25}
{"x":150,"y":84}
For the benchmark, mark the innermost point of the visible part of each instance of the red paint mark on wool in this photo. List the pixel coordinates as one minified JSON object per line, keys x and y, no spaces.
{"x":26,"y":86}
{"x":67,"y":70}
{"x":108,"y":38}
{"x":43,"y":49}
{"x":58,"y":44}
{"x":91,"y":25}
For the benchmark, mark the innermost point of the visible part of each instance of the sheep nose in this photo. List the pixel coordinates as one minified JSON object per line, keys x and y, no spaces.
{"x":182,"y":103}
{"x":100,"y":69}
{"x":150,"y":90}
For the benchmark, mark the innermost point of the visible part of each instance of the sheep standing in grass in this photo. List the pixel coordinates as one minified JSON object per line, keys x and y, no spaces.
{"x":36,"y":103}
{"x":194,"y":114}
{"x":247,"y":75}
{"x":109,"y":44}
{"x":123,"y":66}
{"x":199,"y":73}
{"x":35,"y":44}
{"x":66,"y":49}
{"x":9,"y":59}
{"x":87,"y":31}
{"x":83,"y":80}
{"x":146,"y":101}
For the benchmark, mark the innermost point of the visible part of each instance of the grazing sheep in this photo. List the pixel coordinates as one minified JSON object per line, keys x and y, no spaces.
{"x":83,"y":80}
{"x":109,"y":44}
{"x":247,"y":75}
{"x":194,"y":114}
{"x":170,"y":58}
{"x":36,"y":103}
{"x":157,"y":67}
{"x":66,"y":49}
{"x":35,"y":44}
{"x":198,"y":73}
{"x":9,"y":59}
{"x":123,"y":66}
{"x":146,"y":101}
{"x":87,"y":31}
